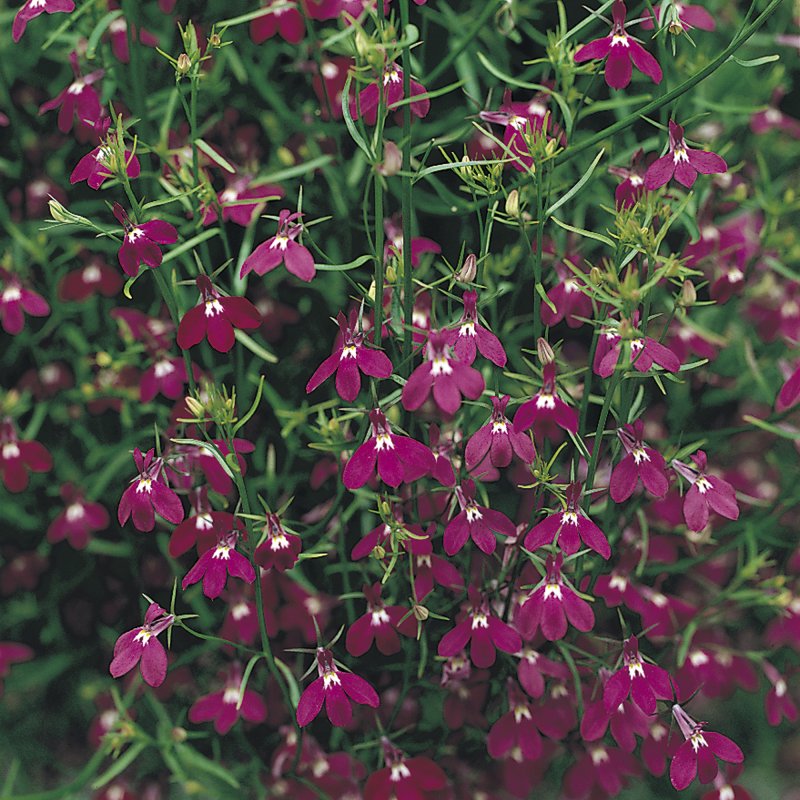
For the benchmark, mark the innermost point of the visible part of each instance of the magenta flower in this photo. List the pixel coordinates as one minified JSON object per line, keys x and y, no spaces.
{"x":336,"y":689}
{"x":280,"y":16}
{"x":204,"y":528}
{"x":570,"y":301}
{"x":600,"y":772}
{"x":641,"y":462}
{"x":118,"y":34}
{"x":166,"y":375}
{"x":682,"y":162}
{"x":696,"y":756}
{"x":16,"y":301}
{"x":221,"y":706}
{"x":516,"y":730}
{"x":392,"y":87}
{"x":11,"y":653}
{"x":416,"y":778}
{"x":99,"y":164}
{"x":149,"y":495}
{"x":430,"y":568}
{"x":772,"y":118}
{"x":707,"y":492}
{"x":393,"y":227}
{"x":280,"y":548}
{"x":18,"y":457}
{"x":78,"y":521}
{"x":475,"y":522}
{"x":644,"y":353}
{"x":214,"y":566}
{"x":93,"y":278}
{"x":621,"y":50}
{"x":550,"y":604}
{"x":240,"y":201}
{"x":681,"y":18}
{"x":645,"y":683}
{"x":32,"y":9}
{"x":532,"y":668}
{"x":216,"y":317}
{"x":447,"y":377}
{"x":471,"y":335}
{"x":78,"y":98}
{"x":349,"y":359}
{"x":631,"y":189}
{"x":282,"y":249}
{"x":568,"y":528}
{"x":546,"y":406}
{"x":398,"y":459}
{"x":778,"y":702}
{"x":498,"y":440}
{"x":482,"y":630}
{"x":141,"y":646}
{"x":380,"y":625}
{"x":140,"y":242}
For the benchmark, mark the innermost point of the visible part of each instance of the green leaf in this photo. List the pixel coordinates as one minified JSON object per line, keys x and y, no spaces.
{"x":755,"y":62}
{"x":577,"y":187}
{"x":214,"y":156}
{"x":193,"y":760}
{"x":254,"y":347}
{"x":291,"y":681}
{"x":119,"y":765}
{"x":351,"y":126}
{"x":188,"y":245}
{"x":583,"y":232}
{"x":769,"y":427}
{"x":357,"y":262}
{"x":545,"y":299}
{"x":211,"y":449}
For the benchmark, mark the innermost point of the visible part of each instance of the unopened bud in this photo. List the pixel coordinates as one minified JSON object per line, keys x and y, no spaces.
{"x":392,"y":160}
{"x":626,"y":330}
{"x":551,"y":147}
{"x":688,"y":294}
{"x":512,"y":203}
{"x":215,"y":41}
{"x":103,"y":359}
{"x":179,"y":734}
{"x":195,"y":407}
{"x":363,"y":45}
{"x":57,"y":211}
{"x":378,"y":552}
{"x":420,"y":612}
{"x":545,"y":351}
{"x":675,"y":28}
{"x":391,"y":274}
{"x":596,"y":276}
{"x":371,"y":292}
{"x":469,"y":269}
{"x":184,"y":64}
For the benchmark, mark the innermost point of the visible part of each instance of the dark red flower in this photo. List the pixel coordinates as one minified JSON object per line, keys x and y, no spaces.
{"x":224,"y":707}
{"x":32,"y":8}
{"x":475,"y":522}
{"x":391,"y":81}
{"x":149,"y":495}
{"x":416,"y":778}
{"x":215,"y":564}
{"x":95,"y":276}
{"x":681,"y":161}
{"x":282,"y":249}
{"x":79,"y":98}
{"x":19,"y":457}
{"x":280,"y":16}
{"x":644,"y":682}
{"x":380,"y":625}
{"x":546,"y":406}
{"x":641,"y":462}
{"x":280,"y":548}
{"x":78,"y":521}
{"x":706,"y":493}
{"x":15,"y":301}
{"x":141,"y":646}
{"x":470,"y":335}
{"x":498,"y":440}
{"x":140,"y":242}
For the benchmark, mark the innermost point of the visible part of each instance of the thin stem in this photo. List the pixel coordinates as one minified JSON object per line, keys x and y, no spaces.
{"x":406,"y":200}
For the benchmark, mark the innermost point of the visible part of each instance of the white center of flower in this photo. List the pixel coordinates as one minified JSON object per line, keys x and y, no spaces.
{"x":163,"y":368}
{"x":619,"y":582}
{"x":780,"y":688}
{"x":329,"y":70}
{"x":76,"y":87}
{"x":479,"y":620}
{"x":636,"y":180}
{"x":620,"y":40}
{"x":790,"y":309}
{"x":440,"y":366}
{"x":391,"y":76}
{"x":773,"y":115}
{"x":379,"y":617}
{"x":726,"y":792}
{"x":203,"y":522}
{"x":240,"y":611}
{"x":517,"y":123}
{"x":545,"y":401}
{"x":424,"y":561}
{"x":639,"y":454}
{"x":231,"y":695}
{"x":145,"y":485}
{"x":467,"y":329}
{"x":658,"y":732}
{"x":599,"y":755}
{"x":330,"y":678}
{"x":103,"y":155}
{"x":10,"y":450}
{"x":552,"y":590}
{"x":499,"y":426}
{"x":659,"y":600}
{"x":229,"y":195}
{"x":143,"y":637}
{"x":521,"y":712}
{"x":12,"y":295}
{"x":75,"y":512}
{"x":109,"y":718}
{"x":49,"y":373}
{"x":569,"y":518}
{"x":348,"y":352}
{"x":118,"y":25}
{"x":383,"y":441}
{"x":702,"y":485}
{"x":735,"y":275}
{"x":222,"y":551}
{"x":399,"y":772}
{"x":698,"y":741}
{"x":213,"y":307}
{"x":278,"y":541}
{"x":680,"y":154}
{"x":134,"y":234}
{"x":91,"y":274}
{"x":473,"y":513}
{"x":636,"y":669}
{"x":279,"y":243}
{"x":115,"y":793}
{"x":698,"y":658}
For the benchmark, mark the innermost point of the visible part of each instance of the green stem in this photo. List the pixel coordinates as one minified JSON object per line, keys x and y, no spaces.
{"x":406,"y":200}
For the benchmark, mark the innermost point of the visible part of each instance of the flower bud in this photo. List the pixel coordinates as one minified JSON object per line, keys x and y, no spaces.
{"x":184,"y":64}
{"x":195,"y":407}
{"x":215,"y":41}
{"x":688,"y":296}
{"x":103,"y":359}
{"x":391,"y":274}
{"x":469,"y":269}
{"x":595,"y":276}
{"x":378,"y":552}
{"x":179,"y":734}
{"x":420,"y":612}
{"x":512,"y":203}
{"x":392,"y":160}
{"x":545,"y":351}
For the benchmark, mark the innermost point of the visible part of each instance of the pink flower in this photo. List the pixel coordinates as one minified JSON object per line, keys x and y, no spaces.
{"x":240,"y":201}
{"x":681,"y":161}
{"x":621,"y":50}
{"x":392,"y":87}
{"x":280,"y":16}
{"x":447,"y":377}
{"x":707,"y":492}
{"x":282,"y":249}
{"x":551,"y":604}
{"x":280,"y":548}
{"x":92,"y":278}
{"x":18,"y":457}
{"x":216,"y":317}
{"x":644,"y":352}
{"x":380,"y":625}
{"x":641,"y":462}
{"x":149,"y":495}
{"x":214,"y":566}
{"x":568,"y":528}
{"x":335,"y":689}
{"x":204,"y":528}
{"x":393,"y":226}
{"x":471,"y":335}
{"x":569,"y":299}
{"x":628,"y":193}
{"x":99,"y":164}
{"x":78,"y":521}
{"x":681,"y":18}
{"x":166,"y":376}
{"x":532,"y":668}
{"x":140,"y":242}
{"x":16,"y":301}
{"x":32,"y":9}
{"x":696,"y":755}
{"x":349,"y":359}
{"x":644,"y":682}
{"x":398,"y":459}
{"x":482,"y":630}
{"x":600,"y":772}
{"x":778,"y":702}
{"x":78,"y":98}
{"x":546,"y":406}
{"x":141,"y":646}
{"x":773,"y":118}
{"x":789,"y":393}
{"x":221,"y":706}
{"x":416,"y":778}
{"x":498,"y":440}
{"x":11,"y":652}
{"x":475,"y":522}
{"x":516,"y":730}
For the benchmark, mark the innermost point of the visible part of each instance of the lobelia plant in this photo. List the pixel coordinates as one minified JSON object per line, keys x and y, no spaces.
{"x":539,"y":311}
